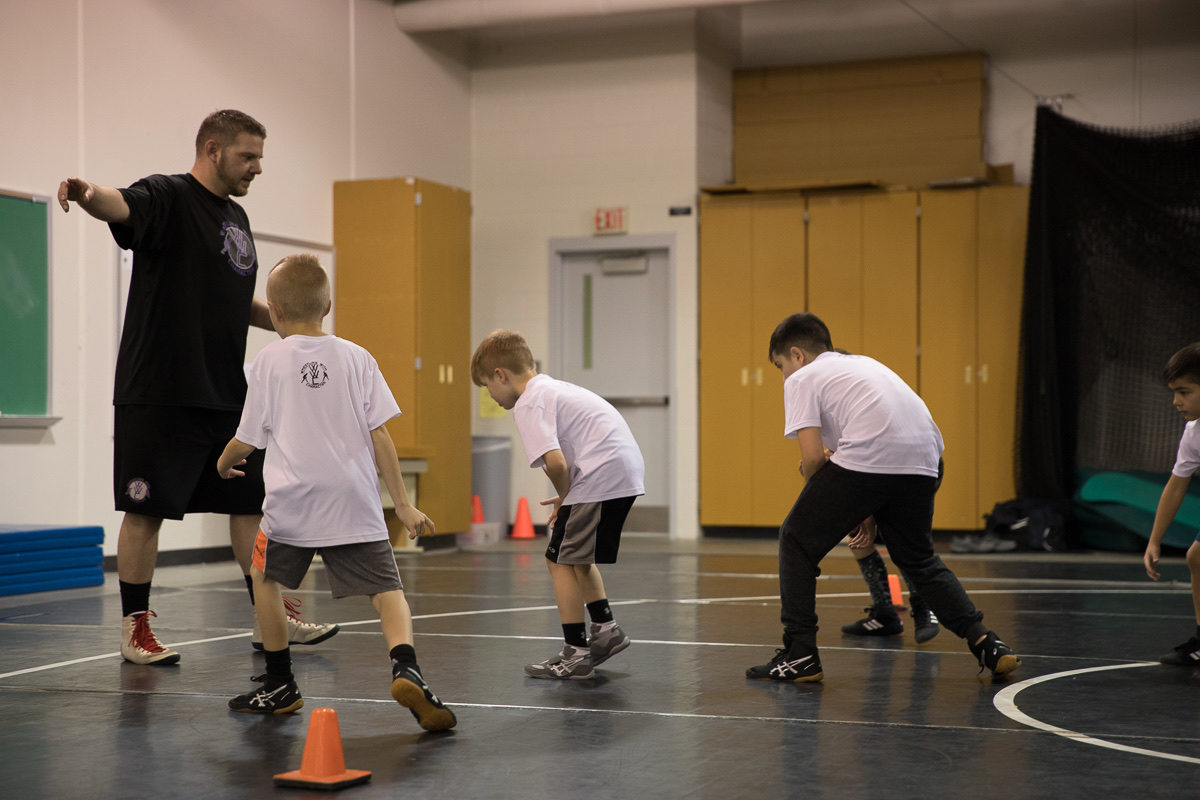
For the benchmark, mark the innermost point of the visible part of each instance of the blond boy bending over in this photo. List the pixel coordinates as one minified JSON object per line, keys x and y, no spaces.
{"x":590,"y":456}
{"x":318,"y":405}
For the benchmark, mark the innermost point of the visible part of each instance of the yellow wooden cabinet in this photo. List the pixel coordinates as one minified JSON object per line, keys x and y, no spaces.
{"x":751,"y":277}
{"x":404,"y":293}
{"x":972,"y":268}
{"x":929,"y":284}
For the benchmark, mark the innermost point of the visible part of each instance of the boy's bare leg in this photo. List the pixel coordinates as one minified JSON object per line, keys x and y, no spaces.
{"x":568,"y":593}
{"x":272,"y":617}
{"x":243,"y":529}
{"x":591,"y":585}
{"x":395,"y":617}
{"x":1193,"y":562}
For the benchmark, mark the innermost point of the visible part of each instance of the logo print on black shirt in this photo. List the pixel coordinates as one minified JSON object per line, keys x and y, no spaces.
{"x":314,"y":375}
{"x":238,"y":248}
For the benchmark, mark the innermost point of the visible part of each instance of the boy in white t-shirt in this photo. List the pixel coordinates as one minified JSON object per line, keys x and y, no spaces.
{"x":885,"y":469}
{"x":1182,"y":375}
{"x":591,"y":457}
{"x":317,"y":404}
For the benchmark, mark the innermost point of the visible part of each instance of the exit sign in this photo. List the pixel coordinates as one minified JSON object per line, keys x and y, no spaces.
{"x":611,"y":220}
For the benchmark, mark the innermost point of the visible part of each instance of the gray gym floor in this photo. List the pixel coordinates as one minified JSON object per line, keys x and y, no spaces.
{"x":1088,"y":714}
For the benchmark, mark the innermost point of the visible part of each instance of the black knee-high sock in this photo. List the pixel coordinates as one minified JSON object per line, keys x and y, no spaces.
{"x":599,"y":611}
{"x":279,"y":665}
{"x":250,"y":587}
{"x":135,"y":597}
{"x":575,"y":633}
{"x":875,"y":573}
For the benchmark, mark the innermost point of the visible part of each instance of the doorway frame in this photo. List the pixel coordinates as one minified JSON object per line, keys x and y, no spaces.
{"x":561,"y":246}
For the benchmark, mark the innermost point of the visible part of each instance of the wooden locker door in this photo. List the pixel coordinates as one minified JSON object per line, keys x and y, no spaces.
{"x":1003,"y":211}
{"x":889,"y":298}
{"x":834,"y":268}
{"x":779,"y":248}
{"x":373,"y":232}
{"x":725,"y":345}
{"x":443,"y":325}
{"x":948,"y":243}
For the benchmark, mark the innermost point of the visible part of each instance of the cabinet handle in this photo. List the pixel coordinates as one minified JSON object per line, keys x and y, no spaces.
{"x":441,"y":373}
{"x":758,"y":377}
{"x":983,"y":374}
{"x":967,"y":377}
{"x":449,"y":373}
{"x":745,"y":376}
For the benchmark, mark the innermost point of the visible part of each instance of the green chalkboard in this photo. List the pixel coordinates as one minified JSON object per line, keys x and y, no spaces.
{"x":24,"y":305}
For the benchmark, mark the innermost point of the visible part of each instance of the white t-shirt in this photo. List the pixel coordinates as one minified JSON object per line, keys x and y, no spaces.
{"x":312,"y":402}
{"x":868,"y":416}
{"x":1188,"y":459}
{"x":603,"y":459}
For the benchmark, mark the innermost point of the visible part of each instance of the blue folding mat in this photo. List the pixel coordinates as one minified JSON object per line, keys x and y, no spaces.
{"x":39,"y":558}
{"x":1127,"y":502}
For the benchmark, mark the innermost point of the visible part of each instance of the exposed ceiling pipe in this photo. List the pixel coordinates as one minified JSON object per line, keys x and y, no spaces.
{"x":425,"y":16}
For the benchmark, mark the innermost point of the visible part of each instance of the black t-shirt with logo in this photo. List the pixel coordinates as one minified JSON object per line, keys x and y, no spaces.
{"x":194,"y":267}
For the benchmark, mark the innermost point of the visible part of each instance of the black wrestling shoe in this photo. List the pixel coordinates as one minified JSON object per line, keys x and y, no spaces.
{"x":410,"y":690}
{"x":793,"y":664}
{"x":877,"y":623}
{"x":270,"y":698}
{"x":995,"y":655}
{"x":1185,"y":655}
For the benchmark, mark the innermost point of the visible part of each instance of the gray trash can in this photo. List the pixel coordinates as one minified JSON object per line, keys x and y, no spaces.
{"x":490,"y":470}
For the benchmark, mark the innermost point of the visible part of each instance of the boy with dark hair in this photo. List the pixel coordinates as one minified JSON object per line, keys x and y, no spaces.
{"x":884,"y":471}
{"x":1182,"y":375}
{"x":589,"y":454}
{"x":317,"y":404}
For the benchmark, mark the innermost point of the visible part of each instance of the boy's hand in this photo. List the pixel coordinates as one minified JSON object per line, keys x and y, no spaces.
{"x":231,"y":472}
{"x":1150,"y":560}
{"x":557,"y":501}
{"x":864,"y":535}
{"x":415,"y":521}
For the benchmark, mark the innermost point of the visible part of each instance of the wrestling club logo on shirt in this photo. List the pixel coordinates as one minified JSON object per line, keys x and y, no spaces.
{"x":238,"y":248}
{"x":314,"y":375}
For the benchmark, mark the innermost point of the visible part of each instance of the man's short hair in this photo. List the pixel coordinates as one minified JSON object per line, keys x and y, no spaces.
{"x":504,"y":349}
{"x":1185,"y":364}
{"x":299,"y":285}
{"x":225,"y":125}
{"x":805,"y":331}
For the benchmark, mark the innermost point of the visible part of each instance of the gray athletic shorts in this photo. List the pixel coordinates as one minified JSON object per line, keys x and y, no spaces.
{"x":362,"y":568}
{"x":588,"y":533}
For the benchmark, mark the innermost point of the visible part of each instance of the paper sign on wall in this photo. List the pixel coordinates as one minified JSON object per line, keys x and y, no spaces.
{"x":487,"y":406}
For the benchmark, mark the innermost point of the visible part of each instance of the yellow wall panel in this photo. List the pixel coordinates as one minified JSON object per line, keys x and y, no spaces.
{"x":889,"y":300}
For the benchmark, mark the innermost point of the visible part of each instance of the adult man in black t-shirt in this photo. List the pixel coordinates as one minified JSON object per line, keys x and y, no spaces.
{"x":180,"y":383}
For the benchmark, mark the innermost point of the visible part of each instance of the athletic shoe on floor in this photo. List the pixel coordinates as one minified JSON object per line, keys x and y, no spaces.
{"x":410,"y":690}
{"x":573,"y":663}
{"x":139,"y":645}
{"x":926,"y":623}
{"x":605,"y":644}
{"x":792,"y":664}
{"x":995,"y":655}
{"x":876,"y":624}
{"x":299,"y":631}
{"x":1185,"y":655}
{"x":270,"y":698}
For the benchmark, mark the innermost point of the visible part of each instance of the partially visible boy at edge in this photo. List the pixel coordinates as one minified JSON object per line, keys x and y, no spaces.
{"x":591,"y":458}
{"x":317,"y":404}
{"x":1182,"y":375}
{"x":885,"y":469}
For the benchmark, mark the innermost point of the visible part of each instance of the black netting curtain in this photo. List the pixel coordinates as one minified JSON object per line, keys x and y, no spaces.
{"x":1112,"y":289}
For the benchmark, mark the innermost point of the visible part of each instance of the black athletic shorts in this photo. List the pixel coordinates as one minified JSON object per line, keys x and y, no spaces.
{"x":588,"y":533}
{"x":165,"y":463}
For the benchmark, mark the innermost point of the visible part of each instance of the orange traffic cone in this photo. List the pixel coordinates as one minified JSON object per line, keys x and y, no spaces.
{"x":894,"y":585}
{"x":476,"y":510}
{"x":523,"y":526}
{"x":323,"y":765}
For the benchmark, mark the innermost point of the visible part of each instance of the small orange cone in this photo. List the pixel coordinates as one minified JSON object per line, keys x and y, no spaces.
{"x":476,"y":510}
{"x":323,"y":765}
{"x":894,"y":585}
{"x":523,"y":526}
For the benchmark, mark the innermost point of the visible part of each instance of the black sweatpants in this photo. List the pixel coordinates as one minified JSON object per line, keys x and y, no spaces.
{"x":834,"y":501}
